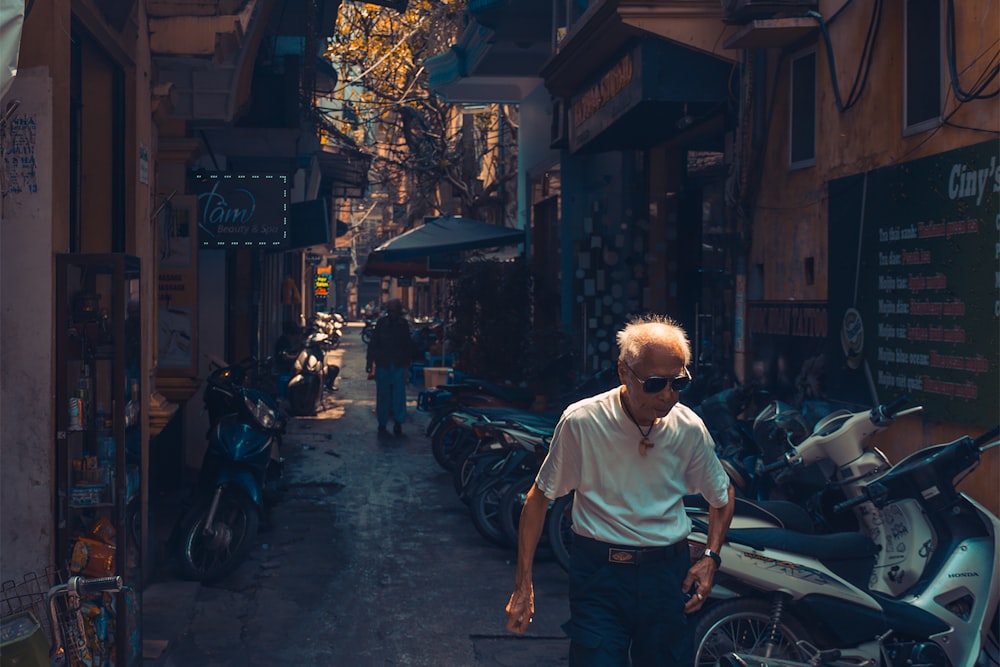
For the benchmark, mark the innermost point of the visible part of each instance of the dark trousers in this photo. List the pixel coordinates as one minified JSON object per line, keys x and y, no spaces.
{"x":628,"y":611}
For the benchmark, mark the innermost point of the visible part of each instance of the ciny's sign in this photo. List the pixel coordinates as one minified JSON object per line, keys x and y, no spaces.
{"x":242,"y":209}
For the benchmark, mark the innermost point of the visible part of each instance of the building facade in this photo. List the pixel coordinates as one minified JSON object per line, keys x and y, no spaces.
{"x":149,"y":130}
{"x":800,"y":184}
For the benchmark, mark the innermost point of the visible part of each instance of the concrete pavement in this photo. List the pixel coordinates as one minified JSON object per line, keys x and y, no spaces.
{"x":372,"y":561}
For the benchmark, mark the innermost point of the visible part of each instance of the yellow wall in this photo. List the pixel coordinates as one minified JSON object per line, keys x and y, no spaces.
{"x":790,"y":220}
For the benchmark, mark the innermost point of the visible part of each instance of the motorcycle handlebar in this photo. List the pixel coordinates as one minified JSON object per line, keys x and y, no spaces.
{"x":986,"y":437}
{"x":851,"y":502}
{"x":777,"y":465}
{"x":881,"y":414}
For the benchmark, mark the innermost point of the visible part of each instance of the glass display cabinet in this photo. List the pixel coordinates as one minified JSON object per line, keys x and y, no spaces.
{"x":98,"y":443}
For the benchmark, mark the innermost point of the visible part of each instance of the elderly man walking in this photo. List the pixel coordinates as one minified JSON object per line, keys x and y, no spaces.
{"x":631,"y":454}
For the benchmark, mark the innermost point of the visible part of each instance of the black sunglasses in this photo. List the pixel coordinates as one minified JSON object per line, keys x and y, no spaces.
{"x":655,"y":384}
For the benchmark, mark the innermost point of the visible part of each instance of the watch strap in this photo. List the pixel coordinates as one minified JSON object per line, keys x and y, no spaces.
{"x":714,"y":556}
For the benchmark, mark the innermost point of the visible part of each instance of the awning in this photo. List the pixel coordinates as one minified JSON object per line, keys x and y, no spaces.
{"x":447,"y":235}
{"x":420,"y":267}
{"x":433,"y":249}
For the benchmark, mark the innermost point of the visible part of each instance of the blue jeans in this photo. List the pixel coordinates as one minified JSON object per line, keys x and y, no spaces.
{"x":628,"y":614}
{"x":390,"y":393}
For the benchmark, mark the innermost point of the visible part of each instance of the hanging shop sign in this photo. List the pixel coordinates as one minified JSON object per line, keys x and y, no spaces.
{"x":242,"y":209}
{"x":321,"y":287}
{"x":786,"y":343}
{"x":618,"y":89}
{"x":633,"y":101}
{"x":914,"y":279}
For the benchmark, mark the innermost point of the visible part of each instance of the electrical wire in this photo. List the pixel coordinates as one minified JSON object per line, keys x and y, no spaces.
{"x":982,"y":81}
{"x":864,"y":66}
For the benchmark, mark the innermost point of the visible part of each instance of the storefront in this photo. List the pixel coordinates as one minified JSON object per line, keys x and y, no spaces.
{"x":642,"y":185}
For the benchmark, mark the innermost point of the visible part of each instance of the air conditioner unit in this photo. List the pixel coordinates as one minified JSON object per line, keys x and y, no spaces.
{"x":744,"y":11}
{"x":559,"y":135}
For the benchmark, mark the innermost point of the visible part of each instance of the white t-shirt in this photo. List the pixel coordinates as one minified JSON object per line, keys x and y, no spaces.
{"x":621,"y":496}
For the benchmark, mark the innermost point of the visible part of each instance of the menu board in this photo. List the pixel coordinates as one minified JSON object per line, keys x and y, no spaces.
{"x":915,"y":284}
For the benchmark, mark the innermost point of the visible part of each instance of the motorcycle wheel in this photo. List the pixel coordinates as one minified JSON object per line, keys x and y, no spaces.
{"x":990,"y":653}
{"x":443,"y":444}
{"x":485,"y":508}
{"x":366,"y":335}
{"x":470,"y":470}
{"x":209,"y":558}
{"x":511,"y":504}
{"x":742,"y":626}
{"x":559,"y":529}
{"x":301,"y":400}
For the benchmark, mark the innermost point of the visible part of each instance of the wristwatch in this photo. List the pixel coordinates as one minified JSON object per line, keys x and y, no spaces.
{"x":714,"y":556}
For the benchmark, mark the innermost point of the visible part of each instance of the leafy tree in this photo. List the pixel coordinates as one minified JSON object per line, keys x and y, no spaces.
{"x":425,"y":151}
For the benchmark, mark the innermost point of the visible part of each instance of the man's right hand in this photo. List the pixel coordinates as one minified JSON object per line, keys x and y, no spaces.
{"x":521,"y":609}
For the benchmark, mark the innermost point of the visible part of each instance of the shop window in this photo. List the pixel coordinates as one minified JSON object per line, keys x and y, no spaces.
{"x":922,"y":70}
{"x":802,"y":114}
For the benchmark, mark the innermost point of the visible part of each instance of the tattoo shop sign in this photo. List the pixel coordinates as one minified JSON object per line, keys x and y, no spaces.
{"x":237,"y":209}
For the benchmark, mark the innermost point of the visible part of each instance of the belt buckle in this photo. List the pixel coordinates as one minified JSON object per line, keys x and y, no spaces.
{"x":622,"y":556}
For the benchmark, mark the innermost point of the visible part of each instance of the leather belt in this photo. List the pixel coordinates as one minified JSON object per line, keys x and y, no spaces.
{"x":626,"y":554}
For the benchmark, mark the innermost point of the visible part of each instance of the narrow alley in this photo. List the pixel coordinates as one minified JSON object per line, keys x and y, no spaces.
{"x":372,"y":561}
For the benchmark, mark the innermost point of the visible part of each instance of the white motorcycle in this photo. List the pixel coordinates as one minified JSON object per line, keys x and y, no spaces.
{"x":917,"y":585}
{"x":310,"y":376}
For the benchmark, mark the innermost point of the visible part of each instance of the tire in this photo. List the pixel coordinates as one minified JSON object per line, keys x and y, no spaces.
{"x":990,"y":653}
{"x":207,"y":559}
{"x":740,"y":625}
{"x":444,"y":442}
{"x":471,"y":469}
{"x":511,"y":505}
{"x":485,"y":508}
{"x":559,"y":530}
{"x":366,"y":335}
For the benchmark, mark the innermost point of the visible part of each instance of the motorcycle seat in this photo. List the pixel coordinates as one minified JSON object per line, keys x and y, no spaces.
{"x":779,"y":513}
{"x":849,"y":555}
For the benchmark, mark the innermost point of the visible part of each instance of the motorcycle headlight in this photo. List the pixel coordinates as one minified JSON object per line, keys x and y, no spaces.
{"x":261,"y":412}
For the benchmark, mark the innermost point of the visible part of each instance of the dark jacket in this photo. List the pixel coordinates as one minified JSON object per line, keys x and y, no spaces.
{"x":391,"y":343}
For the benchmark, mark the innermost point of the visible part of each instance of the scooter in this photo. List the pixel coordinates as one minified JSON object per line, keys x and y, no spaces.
{"x":240,"y":477}
{"x":918,"y":586}
{"x":311,"y":376}
{"x":368,"y":330}
{"x":458,"y":407}
{"x":331,"y":324}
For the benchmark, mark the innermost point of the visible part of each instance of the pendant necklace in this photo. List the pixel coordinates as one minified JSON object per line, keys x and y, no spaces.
{"x":645,"y":444}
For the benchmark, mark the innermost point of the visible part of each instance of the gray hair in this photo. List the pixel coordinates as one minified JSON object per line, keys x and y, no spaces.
{"x":636,"y":333}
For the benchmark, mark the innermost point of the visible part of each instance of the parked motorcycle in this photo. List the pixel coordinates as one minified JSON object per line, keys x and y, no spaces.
{"x":495,"y":474}
{"x":456,"y":407}
{"x":918,"y":585}
{"x":368,"y":330}
{"x":311,"y":376}
{"x":331,"y":324}
{"x":240,"y":477}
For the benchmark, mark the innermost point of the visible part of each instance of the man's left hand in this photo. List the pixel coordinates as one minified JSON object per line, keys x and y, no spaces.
{"x":698,"y":584}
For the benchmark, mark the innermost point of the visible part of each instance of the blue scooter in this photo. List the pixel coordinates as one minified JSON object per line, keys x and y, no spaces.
{"x":240,"y":477}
